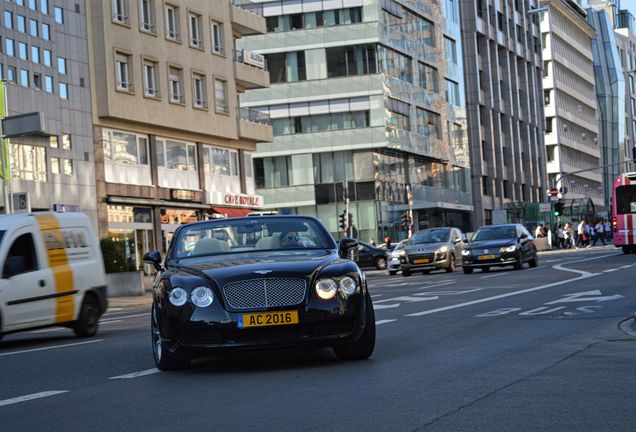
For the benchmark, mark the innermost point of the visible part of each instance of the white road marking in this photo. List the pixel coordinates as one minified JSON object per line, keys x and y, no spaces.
{"x":376,"y":295}
{"x":627,"y":266}
{"x":406,"y":299}
{"x":582,"y":275}
{"x":31,"y":397}
{"x":384,"y":321}
{"x":493,"y":275}
{"x":137,"y":374}
{"x":378,"y":307}
{"x":435,"y":285}
{"x":111,"y":321}
{"x":126,"y":317}
{"x":609,"y":270}
{"x":51,"y":347}
{"x":587,"y":296}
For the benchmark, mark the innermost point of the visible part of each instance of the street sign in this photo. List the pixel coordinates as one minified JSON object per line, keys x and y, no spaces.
{"x":552,"y":192}
{"x":563,"y":190}
{"x":545,"y":207}
{"x":21,"y":202}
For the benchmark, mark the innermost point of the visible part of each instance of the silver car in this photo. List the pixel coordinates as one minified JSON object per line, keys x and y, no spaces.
{"x":393,"y":258}
{"x":432,"y":249}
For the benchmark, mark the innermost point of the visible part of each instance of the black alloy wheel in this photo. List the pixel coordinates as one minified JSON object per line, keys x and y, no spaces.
{"x":518,"y":265}
{"x":451,"y":264}
{"x":164,"y":359}
{"x":380,"y":263}
{"x":406,"y":273}
{"x":363,"y":347}
{"x":88,"y":319}
{"x":534,"y":261}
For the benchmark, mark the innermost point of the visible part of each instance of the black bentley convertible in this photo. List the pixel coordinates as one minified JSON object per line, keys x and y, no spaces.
{"x":258,"y":283}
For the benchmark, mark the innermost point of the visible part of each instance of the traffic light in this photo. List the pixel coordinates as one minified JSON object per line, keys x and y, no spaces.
{"x":558,"y":208}
{"x":343,"y":221}
{"x":406,"y":221}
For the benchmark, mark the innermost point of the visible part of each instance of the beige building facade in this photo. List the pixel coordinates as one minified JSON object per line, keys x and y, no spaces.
{"x":171,"y":144}
{"x":572,"y":131}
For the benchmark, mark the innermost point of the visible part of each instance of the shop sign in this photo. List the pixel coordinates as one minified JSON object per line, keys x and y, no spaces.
{"x":243,"y":200}
{"x":254,"y":59}
{"x":182,"y":195}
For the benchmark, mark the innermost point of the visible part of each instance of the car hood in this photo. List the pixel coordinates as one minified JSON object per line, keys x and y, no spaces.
{"x":485,"y":244}
{"x":424,"y":247}
{"x":222,"y":269}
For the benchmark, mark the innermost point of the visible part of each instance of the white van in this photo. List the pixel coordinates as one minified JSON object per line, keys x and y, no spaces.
{"x":52,"y":273}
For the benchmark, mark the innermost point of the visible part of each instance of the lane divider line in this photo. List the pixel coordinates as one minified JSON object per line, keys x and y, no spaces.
{"x":125,"y":317}
{"x":493,"y":275}
{"x":33,"y":396}
{"x":50,"y":347}
{"x":137,"y":374}
{"x":384,"y":321}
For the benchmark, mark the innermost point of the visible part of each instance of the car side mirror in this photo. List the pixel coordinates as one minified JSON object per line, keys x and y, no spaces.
{"x":14,"y":266}
{"x":465,"y":241}
{"x":153,"y":258}
{"x":347,"y":244}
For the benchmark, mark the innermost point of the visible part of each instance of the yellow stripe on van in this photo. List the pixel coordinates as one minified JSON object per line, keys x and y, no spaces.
{"x":58,"y":262}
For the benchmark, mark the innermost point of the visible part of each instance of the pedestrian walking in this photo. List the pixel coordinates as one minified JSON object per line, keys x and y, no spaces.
{"x":560,"y":233}
{"x":583,"y":234}
{"x":598,"y":233}
{"x":570,"y":236}
{"x":548,"y":234}
{"x":607,"y":227}
{"x":538,"y":232}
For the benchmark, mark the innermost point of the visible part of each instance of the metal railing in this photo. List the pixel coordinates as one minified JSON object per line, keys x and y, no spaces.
{"x":253,"y":116}
{"x":255,"y":8}
{"x":239,"y":57}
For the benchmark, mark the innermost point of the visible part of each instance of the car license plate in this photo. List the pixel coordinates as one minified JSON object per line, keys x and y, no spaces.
{"x":267,"y":319}
{"x":422,"y":261}
{"x":487,"y":257}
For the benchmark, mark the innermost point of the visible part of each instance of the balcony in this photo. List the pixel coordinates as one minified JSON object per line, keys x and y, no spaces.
{"x":247,"y":18}
{"x":250,"y":70}
{"x":254,"y":125}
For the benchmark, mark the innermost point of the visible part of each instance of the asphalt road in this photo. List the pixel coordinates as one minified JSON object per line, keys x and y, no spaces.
{"x":535,"y":349}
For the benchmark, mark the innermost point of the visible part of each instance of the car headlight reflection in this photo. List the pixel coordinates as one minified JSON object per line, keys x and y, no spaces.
{"x":509,"y":248}
{"x":202,"y":296}
{"x":347,"y":286}
{"x":443,"y":249}
{"x":178,"y":296}
{"x":465,"y":252}
{"x":326,"y":288}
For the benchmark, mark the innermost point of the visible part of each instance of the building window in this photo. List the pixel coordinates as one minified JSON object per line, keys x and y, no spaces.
{"x":351,"y":60}
{"x":485,"y":189}
{"x":195,"y":30}
{"x":22,"y":51}
{"x":429,"y":123}
{"x":55,"y":165}
{"x":199,"y":91}
{"x":220,"y":96}
{"x":452,"y":93}
{"x":47,"y":58}
{"x":8,"y":19}
{"x":125,"y":148}
{"x":59,"y":15}
{"x":66,"y":142}
{"x":28,"y":162}
{"x":397,"y":114}
{"x":122,"y":72}
{"x":548,"y":124}
{"x":395,"y":64}
{"x":172,"y":22}
{"x":48,"y":84}
{"x":33,"y":27}
{"x":220,"y":161}
{"x":120,"y":11}
{"x":37,"y":81}
{"x":61,"y":65}
{"x":217,"y":38}
{"x":68,"y":167}
{"x":33,"y":5}
{"x":286,"y":67}
{"x":24,"y":77}
{"x":174,"y":84}
{"x":63,"y":91}
{"x":147,"y":15}
{"x":320,"y":122}
{"x":35,"y":54}
{"x":10,"y":47}
{"x":46,"y":32}
{"x":150,"y":79}
{"x":309,"y":20}
{"x":176,"y":155}
{"x":21,"y":24}
{"x":272,"y":172}
{"x":44,"y":6}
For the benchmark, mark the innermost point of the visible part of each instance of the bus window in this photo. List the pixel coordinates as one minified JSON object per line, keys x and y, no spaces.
{"x":626,"y":199}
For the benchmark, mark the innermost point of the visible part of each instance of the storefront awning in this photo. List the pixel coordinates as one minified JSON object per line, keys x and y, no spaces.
{"x":231,"y":211}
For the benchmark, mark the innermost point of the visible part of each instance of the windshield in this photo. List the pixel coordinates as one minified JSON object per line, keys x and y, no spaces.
{"x":431,"y":236}
{"x":249,"y":234}
{"x":401,"y":245}
{"x":495,"y":233}
{"x":626,"y":199}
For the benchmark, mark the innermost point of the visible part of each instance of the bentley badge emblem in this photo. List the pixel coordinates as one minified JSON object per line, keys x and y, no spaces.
{"x":263,"y":272}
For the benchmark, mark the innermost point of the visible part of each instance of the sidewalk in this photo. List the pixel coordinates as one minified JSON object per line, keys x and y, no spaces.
{"x":121,"y":303}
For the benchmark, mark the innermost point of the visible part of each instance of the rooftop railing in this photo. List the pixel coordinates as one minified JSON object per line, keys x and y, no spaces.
{"x":253,"y":116}
{"x":255,"y":8}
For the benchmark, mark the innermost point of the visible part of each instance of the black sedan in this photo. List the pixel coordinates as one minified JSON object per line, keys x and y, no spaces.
{"x":371,"y":256}
{"x":499,"y":245}
{"x":258,"y":283}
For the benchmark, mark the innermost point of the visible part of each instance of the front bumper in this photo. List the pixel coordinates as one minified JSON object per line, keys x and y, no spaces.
{"x":435,"y":261}
{"x":189,"y":330}
{"x":499,"y":259}
{"x":393,"y":264}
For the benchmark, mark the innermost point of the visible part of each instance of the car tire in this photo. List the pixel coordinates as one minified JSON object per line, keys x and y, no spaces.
{"x":451,"y":264}
{"x":425,"y":272}
{"x":406,"y":273}
{"x":485,"y":269}
{"x":518,"y":265}
{"x":88,"y":319}
{"x":392,"y":272}
{"x":467,"y":270}
{"x":534,"y":261}
{"x":380,"y":263}
{"x":363,"y":347}
{"x":164,"y":359}
{"x":627,"y":250}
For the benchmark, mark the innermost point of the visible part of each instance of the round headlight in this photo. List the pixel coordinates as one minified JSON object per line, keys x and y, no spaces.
{"x":326,"y":288}
{"x":403,"y":253}
{"x":442,"y":249}
{"x":202,"y":296}
{"x":178,"y":296}
{"x":348,"y":286}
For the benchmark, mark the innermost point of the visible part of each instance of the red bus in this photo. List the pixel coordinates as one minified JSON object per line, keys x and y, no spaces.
{"x":624,"y":212}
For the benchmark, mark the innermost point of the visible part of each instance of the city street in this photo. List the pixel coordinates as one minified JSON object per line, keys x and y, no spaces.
{"x":549,"y":348}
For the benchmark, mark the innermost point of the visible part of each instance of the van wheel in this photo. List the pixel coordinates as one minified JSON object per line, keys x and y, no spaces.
{"x":88,"y":320}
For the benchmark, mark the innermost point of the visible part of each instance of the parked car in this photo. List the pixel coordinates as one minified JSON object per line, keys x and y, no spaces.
{"x":393,"y":258}
{"x":432,"y":249}
{"x":500,"y":245}
{"x":230,"y":294}
{"x":371,"y":256}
